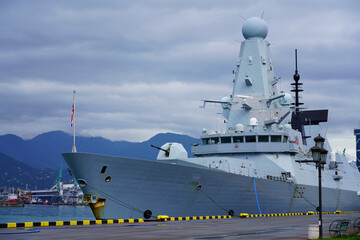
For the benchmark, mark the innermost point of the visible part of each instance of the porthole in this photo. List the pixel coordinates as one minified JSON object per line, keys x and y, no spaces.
{"x":107,"y":179}
{"x":82,"y":183}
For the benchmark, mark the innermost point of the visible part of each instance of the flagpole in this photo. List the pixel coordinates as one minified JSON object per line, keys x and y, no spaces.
{"x":74,"y":147}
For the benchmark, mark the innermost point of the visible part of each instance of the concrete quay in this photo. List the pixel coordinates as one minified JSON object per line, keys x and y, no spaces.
{"x":281,"y":227}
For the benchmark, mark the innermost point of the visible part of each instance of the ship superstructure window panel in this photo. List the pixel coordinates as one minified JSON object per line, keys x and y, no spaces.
{"x":275,"y":138}
{"x":213,"y":140}
{"x":205,"y":141}
{"x":263,"y":138}
{"x":225,"y":139}
{"x":238,"y":139}
{"x":250,"y":139}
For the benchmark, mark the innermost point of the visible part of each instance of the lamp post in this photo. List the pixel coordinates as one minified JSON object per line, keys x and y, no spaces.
{"x":319,"y":155}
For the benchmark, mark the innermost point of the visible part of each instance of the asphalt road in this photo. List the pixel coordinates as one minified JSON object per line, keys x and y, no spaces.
{"x":290,"y":227}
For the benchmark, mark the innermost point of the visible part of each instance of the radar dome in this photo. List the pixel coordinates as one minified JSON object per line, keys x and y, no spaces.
{"x":239,"y":127}
{"x":253,"y":122}
{"x":254,"y":27}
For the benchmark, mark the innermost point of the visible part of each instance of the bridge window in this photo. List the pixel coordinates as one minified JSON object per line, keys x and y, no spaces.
{"x":238,"y":139}
{"x":263,"y":138}
{"x":225,"y":139}
{"x":205,"y":141}
{"x":249,"y":139}
{"x":276,"y":138}
{"x":285,"y":139}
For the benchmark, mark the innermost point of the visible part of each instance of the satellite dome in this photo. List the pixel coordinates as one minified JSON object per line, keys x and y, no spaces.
{"x":239,"y":127}
{"x":254,"y":27}
{"x":253,"y":122}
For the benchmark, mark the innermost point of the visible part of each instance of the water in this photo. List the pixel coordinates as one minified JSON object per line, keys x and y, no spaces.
{"x":42,"y":213}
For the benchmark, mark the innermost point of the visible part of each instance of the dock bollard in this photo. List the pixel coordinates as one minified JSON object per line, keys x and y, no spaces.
{"x":313,"y":231}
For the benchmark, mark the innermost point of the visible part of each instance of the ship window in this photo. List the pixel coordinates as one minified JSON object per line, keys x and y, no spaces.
{"x":205,"y":141}
{"x":238,"y":139}
{"x":263,"y":138}
{"x":275,"y":138}
{"x":285,"y":139}
{"x":250,"y":139}
{"x":225,"y":139}
{"x":214,"y":140}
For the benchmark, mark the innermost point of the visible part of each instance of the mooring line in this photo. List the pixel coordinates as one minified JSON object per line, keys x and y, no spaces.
{"x":118,"y":201}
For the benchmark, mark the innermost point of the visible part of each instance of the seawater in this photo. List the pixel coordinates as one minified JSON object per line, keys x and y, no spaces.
{"x":41,"y":213}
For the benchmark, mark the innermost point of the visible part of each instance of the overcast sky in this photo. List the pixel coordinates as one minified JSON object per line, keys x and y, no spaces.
{"x":142,"y":67}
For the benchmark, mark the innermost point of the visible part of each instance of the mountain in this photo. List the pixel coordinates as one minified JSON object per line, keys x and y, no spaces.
{"x":17,"y":174}
{"x":44,"y":150}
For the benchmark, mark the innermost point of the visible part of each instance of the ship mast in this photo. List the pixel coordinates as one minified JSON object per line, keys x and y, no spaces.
{"x":297,"y":120}
{"x":73,"y":122}
{"x":297,"y":87}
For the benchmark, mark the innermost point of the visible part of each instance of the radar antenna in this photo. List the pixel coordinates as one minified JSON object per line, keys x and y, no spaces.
{"x":296,"y":87}
{"x":297,"y":119}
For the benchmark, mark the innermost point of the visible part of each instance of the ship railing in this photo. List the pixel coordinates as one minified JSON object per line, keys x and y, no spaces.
{"x":262,"y":174}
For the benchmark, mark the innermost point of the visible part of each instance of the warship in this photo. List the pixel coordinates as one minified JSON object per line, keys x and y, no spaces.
{"x":260,"y":164}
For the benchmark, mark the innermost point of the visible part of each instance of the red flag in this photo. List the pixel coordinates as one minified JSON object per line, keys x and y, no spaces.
{"x":72,"y":116}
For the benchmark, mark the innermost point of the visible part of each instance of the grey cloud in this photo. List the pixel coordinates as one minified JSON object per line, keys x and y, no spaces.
{"x":127,"y":58}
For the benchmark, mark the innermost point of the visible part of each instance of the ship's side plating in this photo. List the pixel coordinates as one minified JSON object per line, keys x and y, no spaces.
{"x":172,"y":188}
{"x":253,"y":165}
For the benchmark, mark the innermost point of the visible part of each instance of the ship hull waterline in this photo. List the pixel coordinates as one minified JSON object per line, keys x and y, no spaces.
{"x":132,"y":186}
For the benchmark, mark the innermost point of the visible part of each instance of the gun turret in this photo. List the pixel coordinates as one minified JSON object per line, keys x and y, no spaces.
{"x":167,"y":151}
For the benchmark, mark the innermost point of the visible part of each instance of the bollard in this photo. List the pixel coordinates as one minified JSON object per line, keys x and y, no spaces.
{"x":313,"y":232}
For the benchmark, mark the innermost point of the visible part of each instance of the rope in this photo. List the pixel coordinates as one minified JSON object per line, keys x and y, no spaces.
{"x":118,"y":201}
{"x":257,"y":200}
{"x":213,"y":200}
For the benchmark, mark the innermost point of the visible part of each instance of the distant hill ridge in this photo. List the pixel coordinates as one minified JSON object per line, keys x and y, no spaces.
{"x":20,"y":175}
{"x":44,"y":150}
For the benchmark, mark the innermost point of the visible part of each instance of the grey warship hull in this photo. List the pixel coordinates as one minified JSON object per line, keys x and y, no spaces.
{"x":261,"y":161}
{"x":171,"y":188}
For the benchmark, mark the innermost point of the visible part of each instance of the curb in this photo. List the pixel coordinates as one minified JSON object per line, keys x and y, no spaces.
{"x":161,"y":218}
{"x":69,"y":223}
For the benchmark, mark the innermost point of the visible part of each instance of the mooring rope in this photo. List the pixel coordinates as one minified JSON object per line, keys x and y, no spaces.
{"x":199,"y":188}
{"x":118,"y":201}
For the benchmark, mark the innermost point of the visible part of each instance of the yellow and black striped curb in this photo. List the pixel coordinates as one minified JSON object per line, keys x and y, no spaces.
{"x":108,"y":221}
{"x":166,"y":218}
{"x":245,"y":215}
{"x":69,"y":223}
{"x":159,"y":218}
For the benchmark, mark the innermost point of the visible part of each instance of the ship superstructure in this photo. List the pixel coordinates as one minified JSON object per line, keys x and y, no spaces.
{"x":254,"y":165}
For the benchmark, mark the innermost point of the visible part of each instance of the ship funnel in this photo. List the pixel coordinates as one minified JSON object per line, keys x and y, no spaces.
{"x":357,"y":134}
